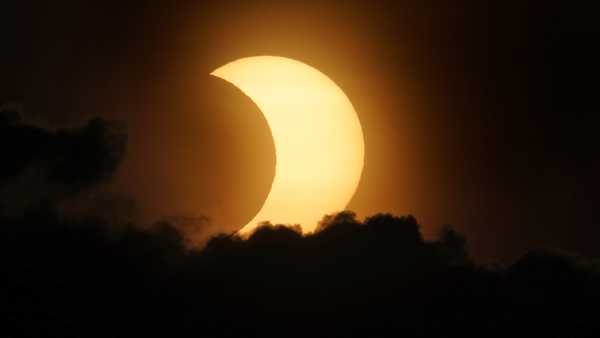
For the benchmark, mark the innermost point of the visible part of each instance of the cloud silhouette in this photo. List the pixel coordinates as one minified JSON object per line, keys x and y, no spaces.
{"x":352,"y":278}
{"x":102,"y":275}
{"x":41,"y":166}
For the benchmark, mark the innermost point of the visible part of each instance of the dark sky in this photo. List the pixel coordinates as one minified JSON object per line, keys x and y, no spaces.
{"x":479,"y":115}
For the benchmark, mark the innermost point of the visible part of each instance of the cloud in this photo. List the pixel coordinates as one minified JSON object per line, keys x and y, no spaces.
{"x":352,"y":278}
{"x":99,"y":274}
{"x":42,"y":166}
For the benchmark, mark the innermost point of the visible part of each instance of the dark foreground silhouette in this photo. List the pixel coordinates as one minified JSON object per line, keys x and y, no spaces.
{"x":73,"y":266}
{"x":376,"y":278}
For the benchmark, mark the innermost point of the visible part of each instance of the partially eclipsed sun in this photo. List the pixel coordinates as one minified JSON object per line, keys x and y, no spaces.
{"x":318,"y":139}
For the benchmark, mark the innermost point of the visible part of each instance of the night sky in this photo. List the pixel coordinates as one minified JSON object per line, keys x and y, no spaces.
{"x":478,"y":115}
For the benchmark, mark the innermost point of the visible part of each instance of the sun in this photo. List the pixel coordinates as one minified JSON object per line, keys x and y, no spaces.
{"x":318,"y":138}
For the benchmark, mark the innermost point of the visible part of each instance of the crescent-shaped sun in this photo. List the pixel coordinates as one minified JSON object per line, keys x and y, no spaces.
{"x":319,"y":145}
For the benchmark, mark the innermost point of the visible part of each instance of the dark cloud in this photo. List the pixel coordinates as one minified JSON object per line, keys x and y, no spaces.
{"x":42,"y":166}
{"x":97,"y":273}
{"x":352,"y":278}
{"x":194,"y":230}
